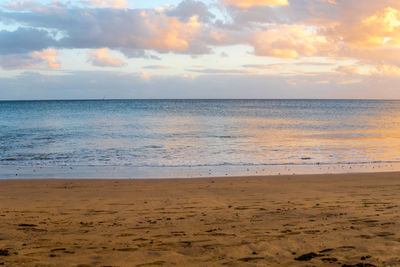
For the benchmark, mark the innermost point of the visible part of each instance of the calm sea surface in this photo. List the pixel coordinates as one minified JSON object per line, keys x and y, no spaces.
{"x":162,"y":138}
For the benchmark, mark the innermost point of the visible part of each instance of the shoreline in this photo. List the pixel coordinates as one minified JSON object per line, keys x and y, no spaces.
{"x":293,"y":220}
{"x":129,"y":172}
{"x":258,"y":176}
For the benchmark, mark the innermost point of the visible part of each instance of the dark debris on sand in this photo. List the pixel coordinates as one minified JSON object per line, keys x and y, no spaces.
{"x":307,"y":257}
{"x":329,"y":260}
{"x":247,"y":259}
{"x":27,"y":225}
{"x":4,"y":252}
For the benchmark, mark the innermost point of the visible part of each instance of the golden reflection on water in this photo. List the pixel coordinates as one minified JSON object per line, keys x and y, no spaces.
{"x":372,"y":138}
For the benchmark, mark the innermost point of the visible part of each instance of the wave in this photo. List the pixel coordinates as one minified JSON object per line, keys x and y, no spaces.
{"x":225,"y":164}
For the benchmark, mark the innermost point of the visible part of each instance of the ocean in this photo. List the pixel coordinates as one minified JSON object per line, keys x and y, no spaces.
{"x":196,"y":138}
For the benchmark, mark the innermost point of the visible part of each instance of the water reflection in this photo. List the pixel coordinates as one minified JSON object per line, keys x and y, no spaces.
{"x":198,"y":132}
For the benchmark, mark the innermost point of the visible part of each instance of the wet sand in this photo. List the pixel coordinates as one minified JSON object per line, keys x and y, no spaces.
{"x":310,"y":220}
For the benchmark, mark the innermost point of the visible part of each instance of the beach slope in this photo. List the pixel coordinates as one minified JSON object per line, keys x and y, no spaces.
{"x":308,"y":220}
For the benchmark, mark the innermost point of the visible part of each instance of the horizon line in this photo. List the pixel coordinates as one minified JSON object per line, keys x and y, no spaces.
{"x":155,"y":99}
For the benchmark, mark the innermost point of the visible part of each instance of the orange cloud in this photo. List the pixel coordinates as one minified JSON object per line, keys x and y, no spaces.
{"x":251,"y":3}
{"x":288,"y":41}
{"x":381,"y":29}
{"x":49,"y":56}
{"x":332,"y":2}
{"x":367,"y":70}
{"x":145,"y":75}
{"x":386,"y":70}
{"x":384,"y":27}
{"x":101,"y":58}
{"x":169,"y":33}
{"x":290,"y":82}
{"x":348,"y":69}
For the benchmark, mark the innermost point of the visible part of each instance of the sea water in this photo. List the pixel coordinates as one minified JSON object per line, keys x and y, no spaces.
{"x":196,"y":138}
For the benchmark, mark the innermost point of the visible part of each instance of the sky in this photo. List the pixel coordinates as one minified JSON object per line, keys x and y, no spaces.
{"x":95,"y":49}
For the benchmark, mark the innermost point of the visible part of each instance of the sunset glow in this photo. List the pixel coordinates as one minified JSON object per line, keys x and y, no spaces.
{"x":265,"y":49}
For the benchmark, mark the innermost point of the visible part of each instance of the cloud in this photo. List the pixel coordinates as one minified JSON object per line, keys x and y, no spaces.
{"x":381,"y":29}
{"x":288,"y":41}
{"x":220,"y":71}
{"x":265,"y":66}
{"x":145,"y":75}
{"x":109,"y":84}
{"x":290,"y":82}
{"x":348,"y":69}
{"x":24,"y":40}
{"x":187,"y":28}
{"x":156,"y":67}
{"x":138,"y":53}
{"x":101,"y":58}
{"x":171,"y":35}
{"x":77,"y":27}
{"x":332,"y":2}
{"x":105,"y":3}
{"x":330,"y":30}
{"x":18,"y":61}
{"x":189,"y":8}
{"x":377,"y":70}
{"x":31,"y":5}
{"x":386,"y":70}
{"x":34,"y":60}
{"x":314,"y":63}
{"x":49,"y":56}
{"x":251,"y":3}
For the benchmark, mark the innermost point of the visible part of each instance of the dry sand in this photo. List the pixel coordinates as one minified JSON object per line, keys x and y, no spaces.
{"x":249,"y":221}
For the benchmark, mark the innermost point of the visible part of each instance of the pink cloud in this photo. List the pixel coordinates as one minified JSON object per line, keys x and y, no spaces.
{"x":101,"y":58}
{"x":251,"y":3}
{"x":107,"y":3}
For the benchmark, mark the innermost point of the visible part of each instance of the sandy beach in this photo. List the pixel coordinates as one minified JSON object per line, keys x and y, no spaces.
{"x":310,"y":220}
